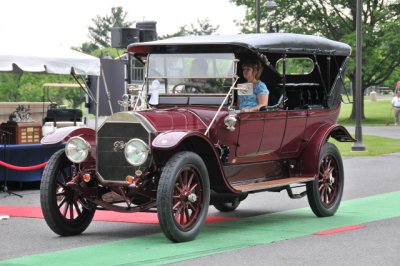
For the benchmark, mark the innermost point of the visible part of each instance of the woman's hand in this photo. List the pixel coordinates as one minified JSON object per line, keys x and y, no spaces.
{"x":247,"y":110}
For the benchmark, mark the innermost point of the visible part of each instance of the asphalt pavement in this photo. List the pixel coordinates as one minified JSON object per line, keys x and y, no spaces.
{"x":382,"y":131}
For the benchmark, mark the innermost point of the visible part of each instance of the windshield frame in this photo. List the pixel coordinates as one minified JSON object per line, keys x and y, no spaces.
{"x":176,"y":70}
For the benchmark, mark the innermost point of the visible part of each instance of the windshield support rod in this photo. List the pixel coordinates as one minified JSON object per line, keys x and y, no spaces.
{"x":222,"y":104}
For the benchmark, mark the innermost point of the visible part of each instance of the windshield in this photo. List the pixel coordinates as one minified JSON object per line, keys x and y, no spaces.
{"x":190,"y":73}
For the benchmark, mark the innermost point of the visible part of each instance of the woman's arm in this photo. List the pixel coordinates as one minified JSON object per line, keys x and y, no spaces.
{"x":262,"y":100}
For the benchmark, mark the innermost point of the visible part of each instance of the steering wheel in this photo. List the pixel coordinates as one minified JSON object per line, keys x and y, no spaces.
{"x":186,"y":88}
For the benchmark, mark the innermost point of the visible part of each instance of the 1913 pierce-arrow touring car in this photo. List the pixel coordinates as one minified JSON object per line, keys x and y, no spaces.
{"x":182,"y":143}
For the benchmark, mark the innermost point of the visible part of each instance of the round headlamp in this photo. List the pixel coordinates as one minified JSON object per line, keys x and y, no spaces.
{"x":77,"y":149}
{"x":136,"y":152}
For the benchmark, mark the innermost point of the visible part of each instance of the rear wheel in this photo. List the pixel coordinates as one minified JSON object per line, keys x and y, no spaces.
{"x":325,"y":193}
{"x":65,"y":212}
{"x":183,"y":196}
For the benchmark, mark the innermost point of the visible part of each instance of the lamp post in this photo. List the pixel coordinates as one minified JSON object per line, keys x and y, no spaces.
{"x":268,"y":4}
{"x":358,"y":145}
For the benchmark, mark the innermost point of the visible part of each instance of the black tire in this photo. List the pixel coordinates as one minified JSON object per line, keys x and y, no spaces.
{"x":228,"y":206}
{"x":183,"y":196}
{"x":64,"y":211}
{"x":325,"y":193}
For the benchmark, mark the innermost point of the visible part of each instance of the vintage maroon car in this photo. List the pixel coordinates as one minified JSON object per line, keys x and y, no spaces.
{"x":181,"y":142}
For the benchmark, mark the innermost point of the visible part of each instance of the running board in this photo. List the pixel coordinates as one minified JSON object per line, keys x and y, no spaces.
{"x":271,"y":184}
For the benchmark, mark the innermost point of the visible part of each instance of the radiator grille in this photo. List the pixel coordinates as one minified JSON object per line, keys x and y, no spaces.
{"x":111,"y":163}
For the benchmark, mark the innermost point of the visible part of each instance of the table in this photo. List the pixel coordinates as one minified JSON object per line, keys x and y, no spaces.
{"x":25,"y":155}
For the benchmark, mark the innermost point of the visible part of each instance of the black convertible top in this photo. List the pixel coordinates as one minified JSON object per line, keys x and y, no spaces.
{"x":265,"y":42}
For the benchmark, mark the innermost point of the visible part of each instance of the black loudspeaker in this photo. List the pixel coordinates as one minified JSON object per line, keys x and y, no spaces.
{"x":122,"y":37}
{"x":146,"y":25}
{"x":148,"y":31}
{"x":148,"y":35}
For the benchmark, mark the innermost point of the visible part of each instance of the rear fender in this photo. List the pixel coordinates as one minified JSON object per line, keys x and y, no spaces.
{"x":310,"y":155}
{"x":195,"y":141}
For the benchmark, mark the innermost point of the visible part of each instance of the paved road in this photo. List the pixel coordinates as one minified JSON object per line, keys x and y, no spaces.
{"x":382,"y":131}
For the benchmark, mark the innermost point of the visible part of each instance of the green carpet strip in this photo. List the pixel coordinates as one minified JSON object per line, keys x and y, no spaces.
{"x":155,"y":249}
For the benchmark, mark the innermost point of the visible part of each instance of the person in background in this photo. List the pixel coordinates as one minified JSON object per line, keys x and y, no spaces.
{"x":198,"y":74}
{"x":199,"y":68}
{"x":250,"y":103}
{"x":396,"y":107}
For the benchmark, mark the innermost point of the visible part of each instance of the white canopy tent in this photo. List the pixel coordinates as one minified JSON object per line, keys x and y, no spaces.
{"x":52,"y":60}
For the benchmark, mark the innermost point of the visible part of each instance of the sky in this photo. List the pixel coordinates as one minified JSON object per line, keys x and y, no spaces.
{"x":66,"y":22}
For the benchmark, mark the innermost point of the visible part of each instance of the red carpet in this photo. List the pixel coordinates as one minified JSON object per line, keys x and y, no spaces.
{"x":340,"y":229}
{"x":105,"y":216}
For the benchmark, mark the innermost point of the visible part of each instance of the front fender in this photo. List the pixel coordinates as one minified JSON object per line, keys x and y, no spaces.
{"x":197,"y":142}
{"x":65,"y":133}
{"x":171,"y":139}
{"x":310,"y":155}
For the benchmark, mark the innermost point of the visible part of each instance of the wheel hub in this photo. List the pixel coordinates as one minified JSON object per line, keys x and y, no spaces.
{"x":331,"y":179}
{"x":188,"y":197}
{"x":192,"y":198}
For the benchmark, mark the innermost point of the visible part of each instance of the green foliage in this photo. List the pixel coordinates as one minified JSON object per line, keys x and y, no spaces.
{"x":377,"y":113}
{"x":107,"y":52}
{"x":9,"y":83}
{"x":335,"y":19}
{"x":296,"y":66}
{"x":87,"y":48}
{"x":28,"y":87}
{"x":100,"y":33}
{"x":203,"y":28}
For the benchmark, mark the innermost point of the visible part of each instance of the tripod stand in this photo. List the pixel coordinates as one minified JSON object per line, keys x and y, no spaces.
{"x":4,"y":187}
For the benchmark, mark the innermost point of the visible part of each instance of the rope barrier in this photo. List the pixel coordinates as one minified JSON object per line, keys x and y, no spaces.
{"x":23,"y":168}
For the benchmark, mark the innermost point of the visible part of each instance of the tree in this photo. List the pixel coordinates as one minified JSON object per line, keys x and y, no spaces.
{"x":336,"y":19}
{"x":101,"y":31}
{"x":28,"y":87}
{"x":9,"y":87}
{"x":87,"y":47}
{"x":203,"y":28}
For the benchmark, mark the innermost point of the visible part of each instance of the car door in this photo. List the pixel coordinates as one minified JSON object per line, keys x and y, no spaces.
{"x":251,"y":128}
{"x":294,"y":131}
{"x":260,"y":133}
{"x":274,"y":129}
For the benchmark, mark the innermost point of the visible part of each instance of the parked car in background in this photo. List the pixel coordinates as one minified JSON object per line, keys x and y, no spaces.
{"x":182,"y":143}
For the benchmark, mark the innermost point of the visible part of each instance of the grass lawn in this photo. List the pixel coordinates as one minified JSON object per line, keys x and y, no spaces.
{"x":376,"y":113}
{"x":375,"y":146}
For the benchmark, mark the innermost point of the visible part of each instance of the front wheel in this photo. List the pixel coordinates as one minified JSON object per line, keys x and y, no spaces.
{"x":65,"y":212}
{"x":183,"y":196}
{"x":325,"y":193}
